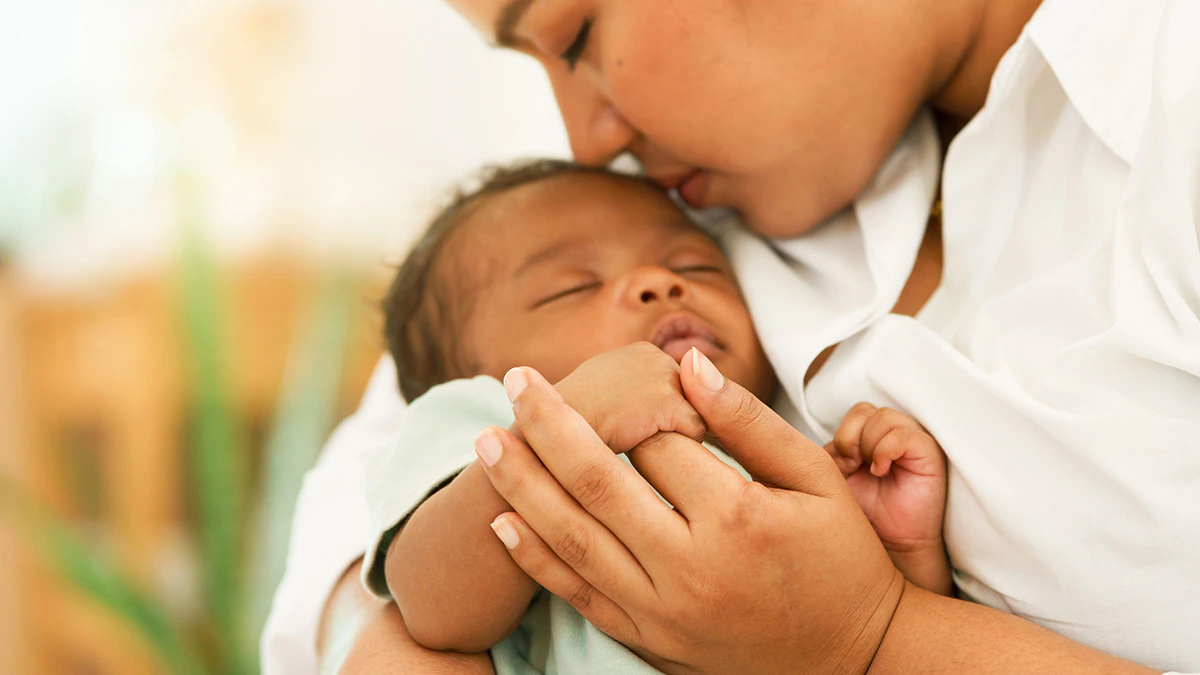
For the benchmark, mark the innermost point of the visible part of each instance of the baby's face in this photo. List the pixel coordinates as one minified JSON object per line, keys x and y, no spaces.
{"x":567,"y":268}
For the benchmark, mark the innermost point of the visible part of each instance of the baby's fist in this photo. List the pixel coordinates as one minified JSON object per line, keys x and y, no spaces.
{"x":629,"y":394}
{"x":896,"y":472}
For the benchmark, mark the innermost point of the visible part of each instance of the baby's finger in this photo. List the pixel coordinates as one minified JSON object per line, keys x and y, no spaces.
{"x":847,"y":465}
{"x":685,"y":420}
{"x":919,"y":452}
{"x":878,"y":425}
{"x":881,"y":463}
{"x":847,"y":440}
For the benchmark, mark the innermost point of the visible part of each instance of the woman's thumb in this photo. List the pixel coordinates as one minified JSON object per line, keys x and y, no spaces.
{"x":769,"y":448}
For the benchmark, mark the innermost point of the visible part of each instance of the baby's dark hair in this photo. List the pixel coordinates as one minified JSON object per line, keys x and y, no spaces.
{"x":422,"y":317}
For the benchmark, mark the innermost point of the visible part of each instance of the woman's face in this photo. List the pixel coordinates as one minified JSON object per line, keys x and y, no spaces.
{"x":781,"y":109}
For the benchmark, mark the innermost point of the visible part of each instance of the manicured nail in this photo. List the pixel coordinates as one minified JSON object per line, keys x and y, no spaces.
{"x":706,"y":372}
{"x":515,"y":382}
{"x":488,"y":447}
{"x":506,"y":532}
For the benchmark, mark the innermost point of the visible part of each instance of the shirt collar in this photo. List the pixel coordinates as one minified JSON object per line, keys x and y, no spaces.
{"x":1102,"y":53}
{"x":816,"y":290}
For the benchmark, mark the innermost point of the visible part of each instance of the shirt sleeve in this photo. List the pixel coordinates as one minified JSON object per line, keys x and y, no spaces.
{"x":434,"y":443}
{"x":329,"y":529}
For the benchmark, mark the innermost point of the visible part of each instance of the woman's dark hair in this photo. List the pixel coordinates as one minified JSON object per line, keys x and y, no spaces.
{"x":422,"y":317}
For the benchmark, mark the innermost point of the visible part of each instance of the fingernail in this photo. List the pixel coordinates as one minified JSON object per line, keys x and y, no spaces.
{"x":706,"y":372}
{"x":515,"y":382}
{"x":506,"y":532}
{"x":488,"y":447}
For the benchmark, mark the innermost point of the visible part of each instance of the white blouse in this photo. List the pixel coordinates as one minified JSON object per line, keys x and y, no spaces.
{"x":1058,"y":363}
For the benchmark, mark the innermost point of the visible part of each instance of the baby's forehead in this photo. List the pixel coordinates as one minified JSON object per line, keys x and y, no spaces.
{"x":568,"y":217}
{"x":607,"y":208}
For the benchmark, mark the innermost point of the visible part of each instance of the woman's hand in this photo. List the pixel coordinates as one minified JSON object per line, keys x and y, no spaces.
{"x":774,"y":576}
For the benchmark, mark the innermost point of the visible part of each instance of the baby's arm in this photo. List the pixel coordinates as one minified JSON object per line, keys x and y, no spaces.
{"x":897,"y":473}
{"x":454,"y":582}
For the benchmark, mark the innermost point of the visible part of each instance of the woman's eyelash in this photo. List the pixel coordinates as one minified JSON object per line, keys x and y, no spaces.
{"x":571,"y":56}
{"x":570,"y":291}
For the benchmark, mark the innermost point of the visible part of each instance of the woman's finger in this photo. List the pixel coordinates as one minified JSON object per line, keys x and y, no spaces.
{"x":606,"y":487}
{"x":543,"y":566}
{"x":768,"y":447}
{"x":573,"y":534}
{"x":684,"y":472}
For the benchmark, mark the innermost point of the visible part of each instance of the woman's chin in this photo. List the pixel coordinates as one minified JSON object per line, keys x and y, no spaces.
{"x":781,"y":223}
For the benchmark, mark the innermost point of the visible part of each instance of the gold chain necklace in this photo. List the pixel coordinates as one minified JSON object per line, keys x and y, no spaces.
{"x":935,"y":213}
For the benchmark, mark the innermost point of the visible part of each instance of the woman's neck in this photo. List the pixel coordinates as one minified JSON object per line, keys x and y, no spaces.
{"x":971,"y":48}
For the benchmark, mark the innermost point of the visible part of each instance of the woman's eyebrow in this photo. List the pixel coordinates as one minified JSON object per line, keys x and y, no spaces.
{"x":506,"y":23}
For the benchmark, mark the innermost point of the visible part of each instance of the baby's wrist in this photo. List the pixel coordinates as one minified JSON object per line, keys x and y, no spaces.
{"x":925,"y":564}
{"x":916,"y":547}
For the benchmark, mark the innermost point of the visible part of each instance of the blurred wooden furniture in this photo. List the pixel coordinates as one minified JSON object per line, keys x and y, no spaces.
{"x":100,"y":403}
{"x":12,"y":634}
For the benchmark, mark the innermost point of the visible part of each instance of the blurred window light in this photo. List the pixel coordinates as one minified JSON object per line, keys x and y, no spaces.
{"x":332,"y":126}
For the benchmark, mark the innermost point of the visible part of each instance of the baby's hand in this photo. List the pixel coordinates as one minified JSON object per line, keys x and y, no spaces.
{"x":897,"y":473}
{"x":630,"y":394}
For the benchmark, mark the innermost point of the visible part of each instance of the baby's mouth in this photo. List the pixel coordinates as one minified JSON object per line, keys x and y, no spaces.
{"x":679,"y":332}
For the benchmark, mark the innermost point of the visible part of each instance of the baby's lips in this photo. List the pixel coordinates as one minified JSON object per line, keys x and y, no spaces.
{"x":679,"y":348}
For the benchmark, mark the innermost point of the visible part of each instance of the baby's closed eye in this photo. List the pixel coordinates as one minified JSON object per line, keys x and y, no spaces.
{"x":568,"y":292}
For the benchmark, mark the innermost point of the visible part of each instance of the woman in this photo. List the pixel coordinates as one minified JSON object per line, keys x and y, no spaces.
{"x":1058,"y":360}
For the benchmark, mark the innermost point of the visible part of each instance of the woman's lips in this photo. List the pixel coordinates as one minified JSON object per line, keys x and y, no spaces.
{"x":694,"y":188}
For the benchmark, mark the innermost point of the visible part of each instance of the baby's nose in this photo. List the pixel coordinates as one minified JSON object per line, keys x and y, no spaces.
{"x":658,"y":284}
{"x":652,"y":295}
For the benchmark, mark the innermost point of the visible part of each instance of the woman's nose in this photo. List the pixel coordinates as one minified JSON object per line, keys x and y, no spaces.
{"x":596,"y":129}
{"x":649,"y":285}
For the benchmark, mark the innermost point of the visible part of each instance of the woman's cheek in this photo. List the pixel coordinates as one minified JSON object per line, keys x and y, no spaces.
{"x":678,"y":95}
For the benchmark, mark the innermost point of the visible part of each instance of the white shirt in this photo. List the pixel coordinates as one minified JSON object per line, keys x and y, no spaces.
{"x":1058,"y":363}
{"x":331,"y":527}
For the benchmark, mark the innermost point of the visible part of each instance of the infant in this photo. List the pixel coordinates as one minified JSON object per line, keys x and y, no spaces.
{"x":602,"y":284}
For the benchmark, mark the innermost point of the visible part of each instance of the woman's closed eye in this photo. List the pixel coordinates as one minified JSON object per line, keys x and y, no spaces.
{"x":560,"y":295}
{"x":575,"y":51}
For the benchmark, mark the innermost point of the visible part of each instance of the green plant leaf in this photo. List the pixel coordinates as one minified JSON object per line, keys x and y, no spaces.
{"x":218,"y":447}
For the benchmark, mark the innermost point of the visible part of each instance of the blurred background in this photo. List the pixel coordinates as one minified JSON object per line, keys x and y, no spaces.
{"x":199,"y":204}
